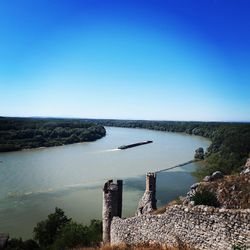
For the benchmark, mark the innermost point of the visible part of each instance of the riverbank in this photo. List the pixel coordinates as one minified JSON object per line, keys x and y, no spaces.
{"x":26,"y":133}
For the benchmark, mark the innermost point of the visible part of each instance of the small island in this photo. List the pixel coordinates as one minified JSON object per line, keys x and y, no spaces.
{"x":25,"y":133}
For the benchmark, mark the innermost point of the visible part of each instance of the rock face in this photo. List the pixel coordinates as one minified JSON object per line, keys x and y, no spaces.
{"x":148,"y":202}
{"x":200,"y":227}
{"x":195,"y":185}
{"x":198,"y":187}
{"x":207,"y":178}
{"x":247,"y":165}
{"x":215,"y":176}
{"x":199,"y":154}
{"x":232,"y":192}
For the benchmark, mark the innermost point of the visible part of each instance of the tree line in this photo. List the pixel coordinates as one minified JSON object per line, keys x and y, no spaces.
{"x":24,"y":133}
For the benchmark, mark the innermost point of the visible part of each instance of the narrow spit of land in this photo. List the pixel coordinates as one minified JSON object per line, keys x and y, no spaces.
{"x":176,"y":166}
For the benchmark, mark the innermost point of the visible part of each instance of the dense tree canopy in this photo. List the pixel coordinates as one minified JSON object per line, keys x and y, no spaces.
{"x":21,"y":133}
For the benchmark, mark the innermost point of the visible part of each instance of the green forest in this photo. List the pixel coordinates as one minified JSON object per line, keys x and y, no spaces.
{"x":230,"y":142}
{"x":24,"y":133}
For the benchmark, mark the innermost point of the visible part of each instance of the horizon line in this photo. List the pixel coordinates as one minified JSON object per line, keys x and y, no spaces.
{"x":122,"y":119}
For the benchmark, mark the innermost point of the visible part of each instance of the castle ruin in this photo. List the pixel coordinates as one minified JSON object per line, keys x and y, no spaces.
{"x":148,"y":201}
{"x":112,"y":202}
{"x":112,"y":206}
{"x":201,"y":227}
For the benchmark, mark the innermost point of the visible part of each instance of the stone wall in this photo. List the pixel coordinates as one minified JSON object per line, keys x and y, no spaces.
{"x":200,"y":227}
{"x":112,"y":206}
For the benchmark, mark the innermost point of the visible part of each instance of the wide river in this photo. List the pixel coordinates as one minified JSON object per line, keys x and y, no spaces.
{"x":33,"y":182}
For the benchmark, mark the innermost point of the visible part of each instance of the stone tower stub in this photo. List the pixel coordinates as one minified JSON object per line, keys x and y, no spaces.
{"x":148,"y":201}
{"x":112,"y":206}
{"x":151,"y":182}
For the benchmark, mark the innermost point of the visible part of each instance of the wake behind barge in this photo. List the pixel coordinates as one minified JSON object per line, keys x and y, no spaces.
{"x":134,"y":144}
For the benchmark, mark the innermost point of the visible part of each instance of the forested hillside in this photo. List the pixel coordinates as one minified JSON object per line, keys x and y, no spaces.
{"x":22,"y":133}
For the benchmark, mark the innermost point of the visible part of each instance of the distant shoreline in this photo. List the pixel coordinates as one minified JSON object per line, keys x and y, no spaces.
{"x":18,"y":134}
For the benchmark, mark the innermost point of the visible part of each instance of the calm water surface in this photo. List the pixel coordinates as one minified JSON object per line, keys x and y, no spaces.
{"x":34,"y":182}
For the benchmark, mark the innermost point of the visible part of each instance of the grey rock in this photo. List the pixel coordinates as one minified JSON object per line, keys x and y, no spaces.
{"x":247,"y":163}
{"x":191,"y":203}
{"x":245,"y":171}
{"x":207,"y":178}
{"x":199,"y":154}
{"x":195,"y":185}
{"x":216,"y":175}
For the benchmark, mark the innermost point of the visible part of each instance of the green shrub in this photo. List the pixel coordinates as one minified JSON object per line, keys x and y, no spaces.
{"x":75,"y":235}
{"x":60,"y":232}
{"x":19,"y":244}
{"x":48,"y":230}
{"x":205,"y":197}
{"x":72,"y":235}
{"x":239,"y":247}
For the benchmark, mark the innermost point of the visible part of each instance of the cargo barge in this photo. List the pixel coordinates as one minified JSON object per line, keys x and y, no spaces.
{"x":134,"y":144}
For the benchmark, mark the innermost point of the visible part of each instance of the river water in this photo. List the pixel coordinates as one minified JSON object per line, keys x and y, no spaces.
{"x":33,"y":182}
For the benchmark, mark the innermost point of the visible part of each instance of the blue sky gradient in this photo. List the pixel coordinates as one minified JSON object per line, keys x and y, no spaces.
{"x":161,"y":60}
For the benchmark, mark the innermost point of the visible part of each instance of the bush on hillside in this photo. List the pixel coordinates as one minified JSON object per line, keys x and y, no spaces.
{"x":60,"y":232}
{"x":19,"y":244}
{"x":205,"y":197}
{"x":46,"y":232}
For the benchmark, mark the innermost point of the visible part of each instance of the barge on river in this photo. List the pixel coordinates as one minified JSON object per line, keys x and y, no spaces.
{"x":134,"y":144}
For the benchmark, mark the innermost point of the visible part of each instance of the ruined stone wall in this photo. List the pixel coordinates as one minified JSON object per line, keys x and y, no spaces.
{"x":200,"y":227}
{"x":148,"y":201}
{"x":112,"y":206}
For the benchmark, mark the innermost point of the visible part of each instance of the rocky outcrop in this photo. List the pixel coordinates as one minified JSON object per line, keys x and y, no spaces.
{"x":200,"y":227}
{"x":246,"y":168}
{"x":247,"y":165}
{"x":215,"y":176}
{"x":196,"y":187}
{"x":231,"y":191}
{"x":199,"y":154}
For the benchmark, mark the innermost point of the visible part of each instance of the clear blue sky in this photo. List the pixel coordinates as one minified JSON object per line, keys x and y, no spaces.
{"x":164,"y":60}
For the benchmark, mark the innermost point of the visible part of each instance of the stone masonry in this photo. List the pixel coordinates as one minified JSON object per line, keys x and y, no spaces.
{"x":201,"y":227}
{"x":148,"y":202}
{"x":112,"y":206}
